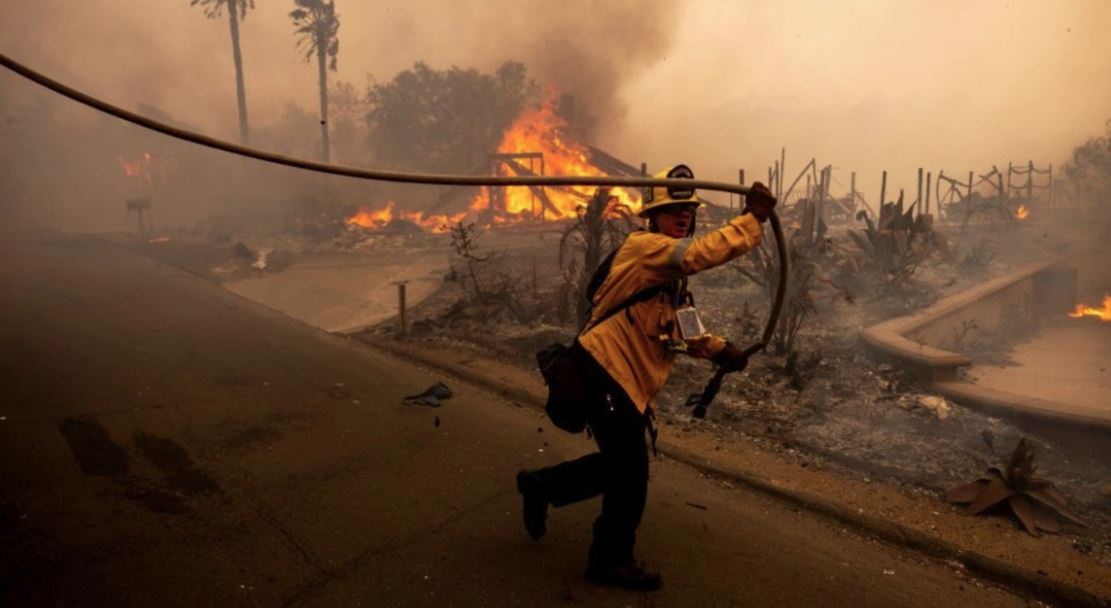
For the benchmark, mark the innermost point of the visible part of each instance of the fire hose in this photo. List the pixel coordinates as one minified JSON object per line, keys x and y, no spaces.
{"x":700,"y":401}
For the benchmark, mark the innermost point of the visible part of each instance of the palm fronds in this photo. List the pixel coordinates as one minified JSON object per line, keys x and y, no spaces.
{"x":215,"y":8}
{"x":317,"y":26}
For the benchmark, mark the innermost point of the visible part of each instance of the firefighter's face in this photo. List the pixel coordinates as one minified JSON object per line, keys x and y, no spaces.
{"x":675,"y":220}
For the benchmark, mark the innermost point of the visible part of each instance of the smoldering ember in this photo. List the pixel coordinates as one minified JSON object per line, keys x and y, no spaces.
{"x":294,"y":323}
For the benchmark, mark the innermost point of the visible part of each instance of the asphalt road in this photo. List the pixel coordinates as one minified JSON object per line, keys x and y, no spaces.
{"x":165,"y":442}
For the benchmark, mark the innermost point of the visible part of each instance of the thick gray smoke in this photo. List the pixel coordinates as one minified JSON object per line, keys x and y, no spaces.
{"x":591,"y":50}
{"x":168,"y":55}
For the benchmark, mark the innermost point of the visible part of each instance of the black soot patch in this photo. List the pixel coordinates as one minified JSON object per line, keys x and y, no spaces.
{"x":169,"y":457}
{"x":93,"y":449}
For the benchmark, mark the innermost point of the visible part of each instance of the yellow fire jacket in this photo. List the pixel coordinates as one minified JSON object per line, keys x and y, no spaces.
{"x":631,"y":345}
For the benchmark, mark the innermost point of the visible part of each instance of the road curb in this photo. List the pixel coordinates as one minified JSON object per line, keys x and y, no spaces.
{"x":1018,"y":579}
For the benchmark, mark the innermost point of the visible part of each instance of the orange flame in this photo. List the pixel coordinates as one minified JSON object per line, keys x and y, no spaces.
{"x":376,"y":219}
{"x":537,"y":131}
{"x":142,"y":171}
{"x":1103,"y":314}
{"x":1022,"y":212}
{"x":542,"y":130}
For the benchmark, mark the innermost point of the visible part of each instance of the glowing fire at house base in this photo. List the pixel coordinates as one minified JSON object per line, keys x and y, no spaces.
{"x":380,"y":218}
{"x":1022,"y":212}
{"x":1103,"y":314}
{"x":143,"y":172}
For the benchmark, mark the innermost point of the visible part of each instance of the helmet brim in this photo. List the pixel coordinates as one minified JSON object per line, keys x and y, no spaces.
{"x":644,"y":213}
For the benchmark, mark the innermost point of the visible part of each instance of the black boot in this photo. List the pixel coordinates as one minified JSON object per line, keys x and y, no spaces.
{"x":535,"y":504}
{"x":633,"y":575}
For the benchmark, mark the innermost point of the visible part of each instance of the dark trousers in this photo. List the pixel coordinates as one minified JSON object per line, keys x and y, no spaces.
{"x":618,"y":471}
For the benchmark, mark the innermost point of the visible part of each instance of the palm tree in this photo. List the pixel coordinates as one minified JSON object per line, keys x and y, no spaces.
{"x":237,"y":11}
{"x":317,"y":24}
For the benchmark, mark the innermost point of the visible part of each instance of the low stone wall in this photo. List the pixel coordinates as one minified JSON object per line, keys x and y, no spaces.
{"x":917,"y":342}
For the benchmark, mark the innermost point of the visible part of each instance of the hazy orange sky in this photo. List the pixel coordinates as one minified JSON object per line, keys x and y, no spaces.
{"x":862,"y":84}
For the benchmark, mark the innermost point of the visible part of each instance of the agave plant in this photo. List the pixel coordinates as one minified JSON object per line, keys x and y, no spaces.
{"x":1034,"y":500}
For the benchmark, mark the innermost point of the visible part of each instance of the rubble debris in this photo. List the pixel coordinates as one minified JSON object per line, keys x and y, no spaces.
{"x":263,"y":255}
{"x":938,"y":406}
{"x":431,"y":396}
{"x":1034,"y":500}
{"x":272,"y":259}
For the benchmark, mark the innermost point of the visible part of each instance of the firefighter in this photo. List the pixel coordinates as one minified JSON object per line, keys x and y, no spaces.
{"x":626,"y":359}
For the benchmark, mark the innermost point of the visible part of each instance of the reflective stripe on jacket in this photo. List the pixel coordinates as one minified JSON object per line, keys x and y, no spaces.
{"x":628,"y":345}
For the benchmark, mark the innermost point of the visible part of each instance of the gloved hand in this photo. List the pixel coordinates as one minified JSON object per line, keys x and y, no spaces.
{"x":731,"y":358}
{"x":759,"y":202}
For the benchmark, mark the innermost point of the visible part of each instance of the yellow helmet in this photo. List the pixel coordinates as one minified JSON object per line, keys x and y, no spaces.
{"x":655,"y":198}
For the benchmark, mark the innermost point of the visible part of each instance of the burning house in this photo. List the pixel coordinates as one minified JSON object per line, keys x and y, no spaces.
{"x":538,"y":142}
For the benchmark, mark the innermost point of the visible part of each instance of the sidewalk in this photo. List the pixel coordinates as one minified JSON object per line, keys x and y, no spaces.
{"x":342,"y":292}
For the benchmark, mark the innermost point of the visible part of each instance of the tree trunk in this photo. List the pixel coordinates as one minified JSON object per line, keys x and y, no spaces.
{"x":325,"y":143}
{"x":240,"y":91}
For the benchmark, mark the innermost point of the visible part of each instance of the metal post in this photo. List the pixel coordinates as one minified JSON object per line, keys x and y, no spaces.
{"x":1030,"y":184}
{"x":741,"y":197}
{"x":778,"y":182}
{"x":823,"y":187}
{"x":1052,"y":200}
{"x":782,"y":169}
{"x":968,"y":206}
{"x":919,"y":195}
{"x":883,"y":193}
{"x":402,"y":324}
{"x":1010,"y":168}
{"x":929,"y":177}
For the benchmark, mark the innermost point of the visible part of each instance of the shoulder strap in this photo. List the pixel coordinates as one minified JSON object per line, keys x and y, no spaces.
{"x":601,"y":272}
{"x":641,"y":296}
{"x":599,"y":277}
